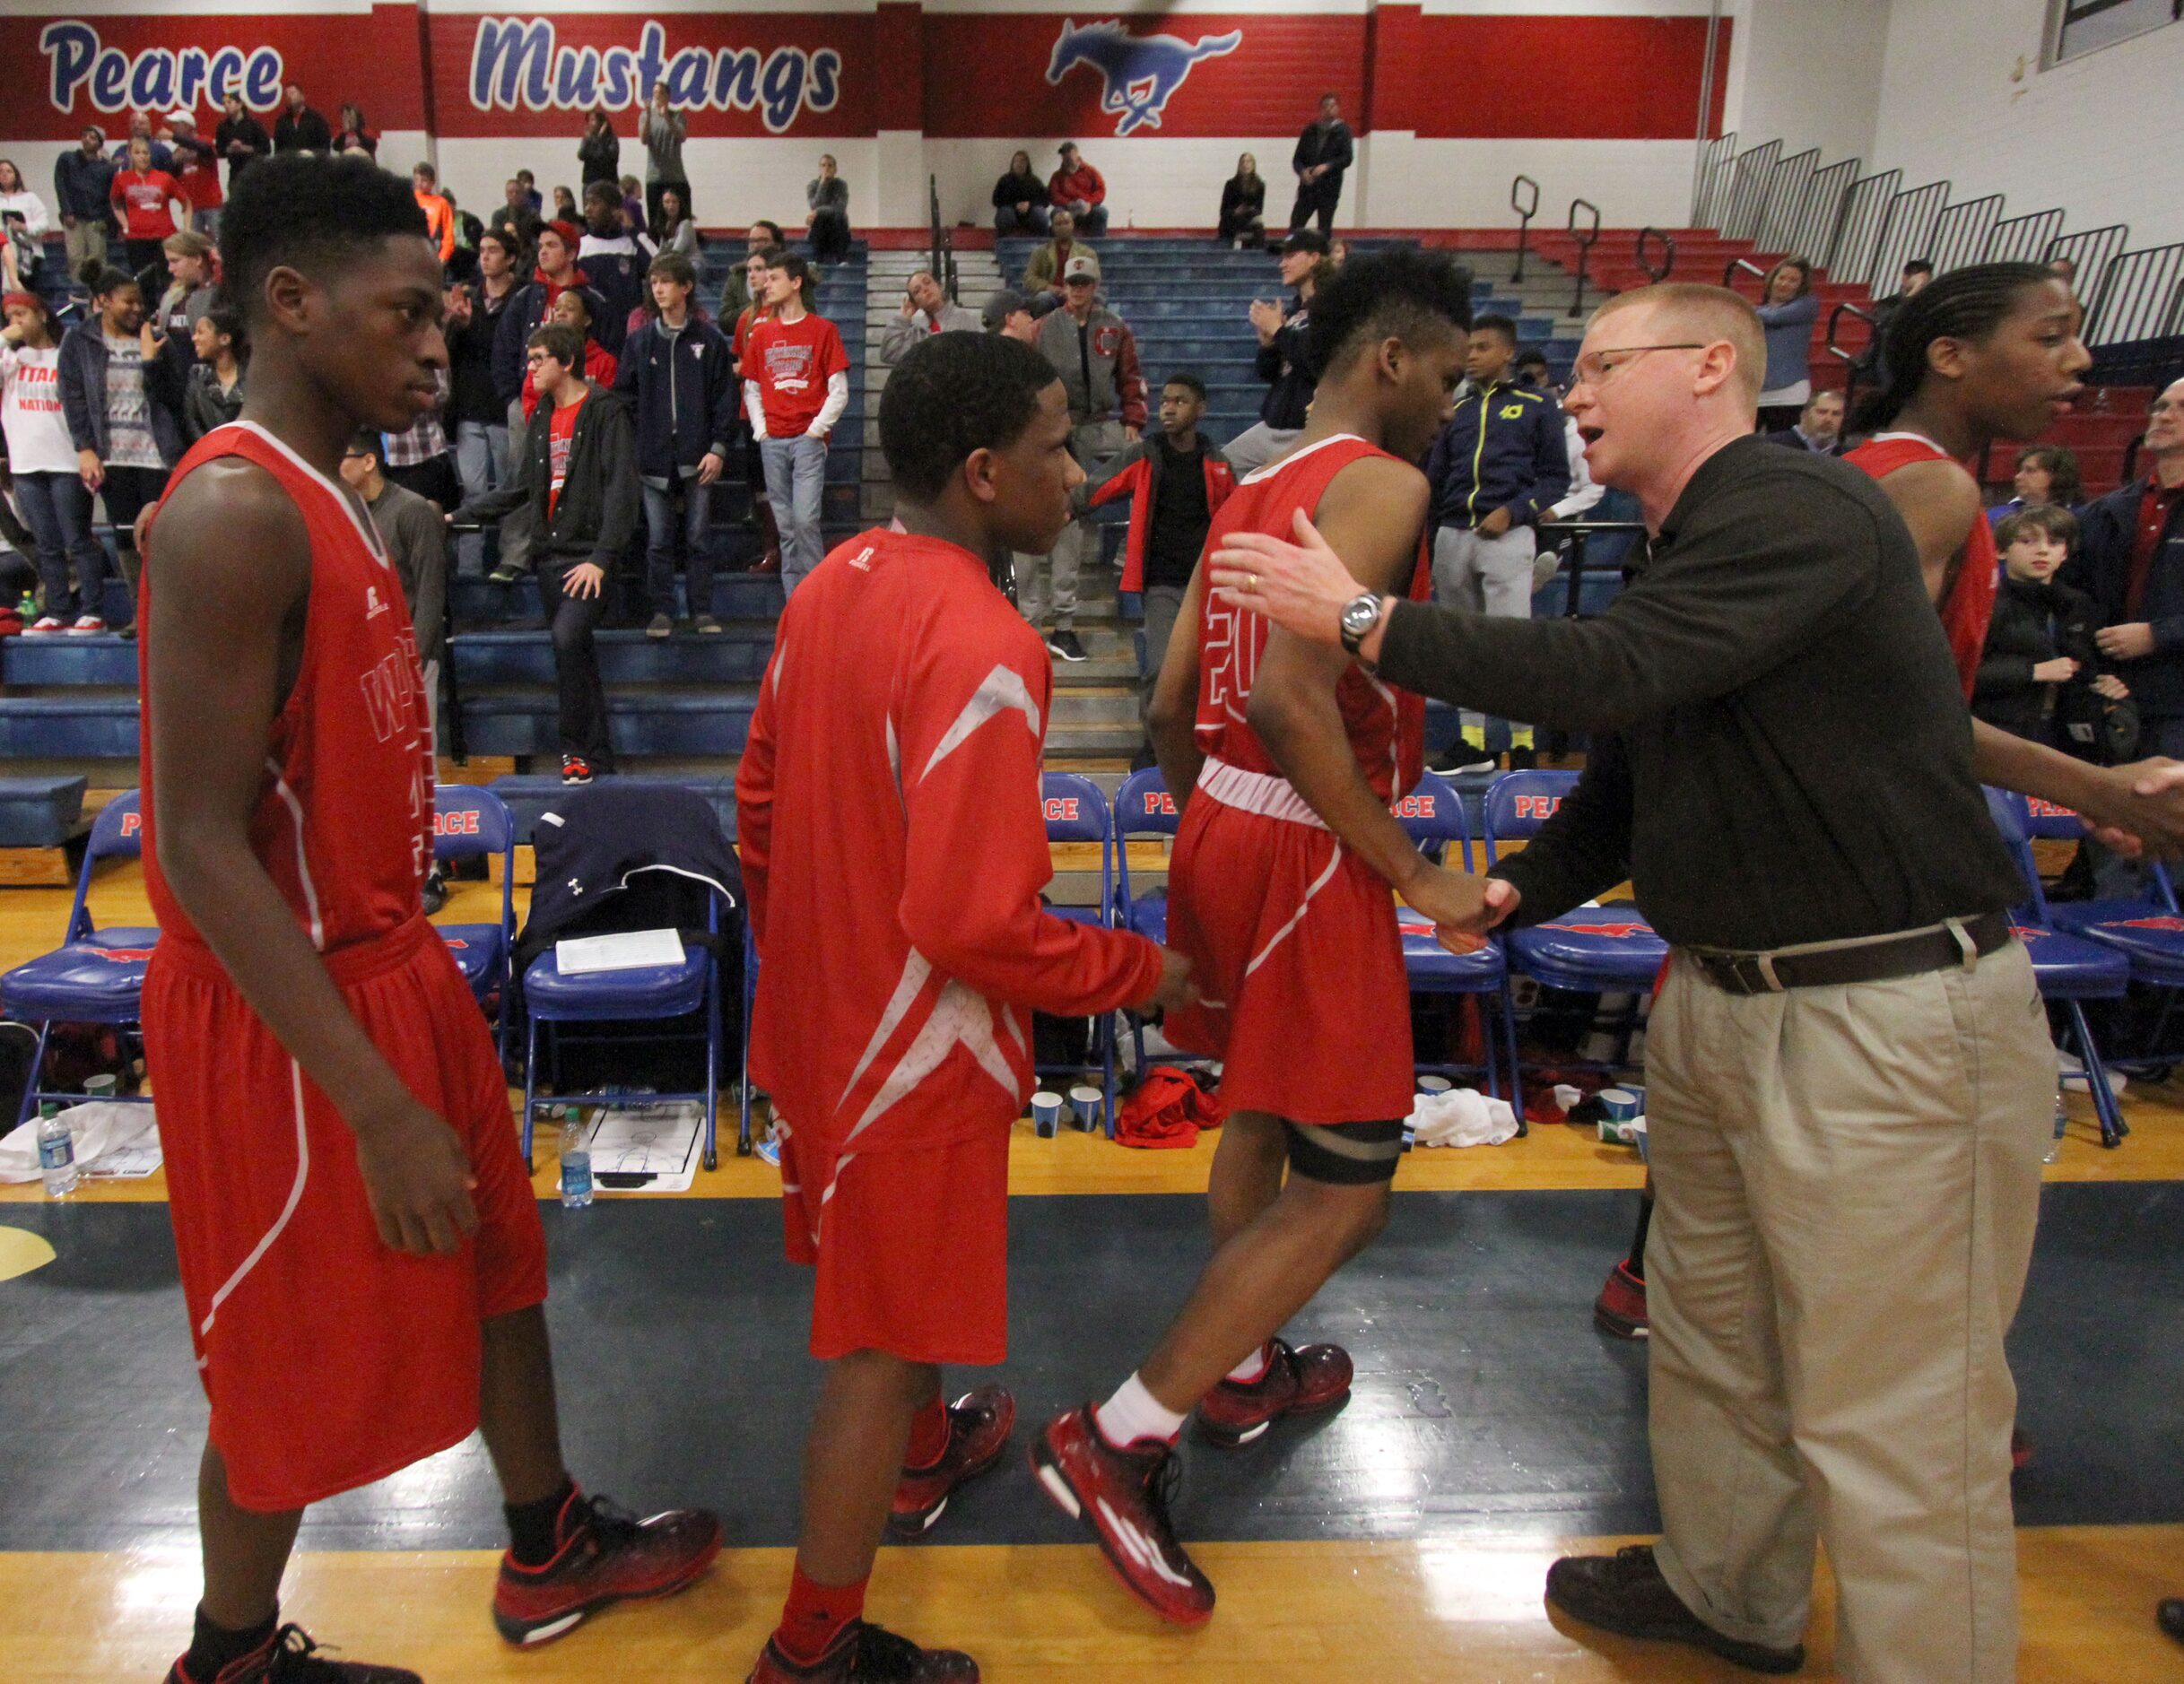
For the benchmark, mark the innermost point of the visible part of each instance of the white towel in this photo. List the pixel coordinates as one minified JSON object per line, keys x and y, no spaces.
{"x":1462,"y":1117}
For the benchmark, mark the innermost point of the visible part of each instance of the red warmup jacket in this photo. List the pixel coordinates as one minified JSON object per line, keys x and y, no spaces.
{"x":1086,"y":183}
{"x":1135,"y":474}
{"x":893,"y":841}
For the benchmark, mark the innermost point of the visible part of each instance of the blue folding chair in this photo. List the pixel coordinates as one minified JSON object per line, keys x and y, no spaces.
{"x":742,"y":1126}
{"x":2069,"y":969}
{"x":2147,"y":929}
{"x":1143,"y":808}
{"x":1432,"y":814}
{"x":1605,"y":950}
{"x":1076,"y":811}
{"x":95,"y":976}
{"x":652,"y":993}
{"x":470,"y":822}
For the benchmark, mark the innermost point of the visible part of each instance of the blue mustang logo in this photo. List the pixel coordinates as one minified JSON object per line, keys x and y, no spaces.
{"x":1141,"y":71}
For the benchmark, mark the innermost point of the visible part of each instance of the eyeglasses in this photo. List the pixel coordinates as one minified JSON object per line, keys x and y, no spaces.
{"x":1593,"y":369}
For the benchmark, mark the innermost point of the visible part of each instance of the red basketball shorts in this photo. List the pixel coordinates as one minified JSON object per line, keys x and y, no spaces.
{"x":908,"y":1244}
{"x":1293,"y":946}
{"x":330,"y":1360}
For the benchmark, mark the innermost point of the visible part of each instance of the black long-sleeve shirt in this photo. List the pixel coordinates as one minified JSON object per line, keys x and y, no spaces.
{"x":1782,"y":753}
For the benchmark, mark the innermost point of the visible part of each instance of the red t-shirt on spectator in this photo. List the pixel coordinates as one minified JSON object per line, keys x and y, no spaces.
{"x":561,"y":430}
{"x":2154,"y":510}
{"x":198,"y":175}
{"x":792,"y":362}
{"x":142,"y":199}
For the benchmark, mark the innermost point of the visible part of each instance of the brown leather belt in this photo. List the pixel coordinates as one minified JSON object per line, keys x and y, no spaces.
{"x":1865,"y":961}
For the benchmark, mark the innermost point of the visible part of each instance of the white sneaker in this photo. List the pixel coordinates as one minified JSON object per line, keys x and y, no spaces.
{"x":46,"y":627}
{"x":90,"y":626}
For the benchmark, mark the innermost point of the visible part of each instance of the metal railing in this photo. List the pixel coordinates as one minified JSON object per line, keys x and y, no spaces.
{"x":1526,"y":210}
{"x":2023,"y":239}
{"x":1857,"y":240}
{"x":1820,"y":219}
{"x":1757,"y":271}
{"x":1584,"y":239}
{"x":2091,"y":251}
{"x":1748,"y":191}
{"x":2141,"y":296}
{"x":1962,"y":232}
{"x":1660,"y":272}
{"x":1577,"y":532}
{"x":1907,"y":231}
{"x":1717,"y":168}
{"x":942,"y":261}
{"x":1854,"y":362}
{"x":1787,"y":185}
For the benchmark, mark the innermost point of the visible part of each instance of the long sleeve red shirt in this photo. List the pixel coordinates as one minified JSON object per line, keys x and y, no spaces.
{"x":894,"y":848}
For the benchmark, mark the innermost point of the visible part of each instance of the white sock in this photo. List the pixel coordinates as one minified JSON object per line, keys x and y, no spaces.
{"x":1133,"y":1413}
{"x":1252,"y":1368}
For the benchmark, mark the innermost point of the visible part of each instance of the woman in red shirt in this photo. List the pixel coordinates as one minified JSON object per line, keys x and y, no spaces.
{"x":142,"y":196}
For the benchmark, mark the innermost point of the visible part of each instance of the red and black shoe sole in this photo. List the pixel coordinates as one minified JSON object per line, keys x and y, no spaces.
{"x":917,"y":1523}
{"x":530,"y":1634}
{"x":1056,"y":1484}
{"x":1229,"y":1438}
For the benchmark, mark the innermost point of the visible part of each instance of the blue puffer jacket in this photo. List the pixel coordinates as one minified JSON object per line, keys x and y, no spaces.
{"x":2108,"y":528}
{"x":683,"y":399}
{"x":1502,"y":449}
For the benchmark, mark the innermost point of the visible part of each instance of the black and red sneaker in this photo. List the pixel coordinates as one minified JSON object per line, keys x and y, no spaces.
{"x":575,"y":769}
{"x":866,"y":1654}
{"x":606,"y":1556}
{"x":291,"y":1657}
{"x":1122,"y":1495}
{"x":980,"y":1424}
{"x":1620,"y":1310}
{"x":1296,"y":1383}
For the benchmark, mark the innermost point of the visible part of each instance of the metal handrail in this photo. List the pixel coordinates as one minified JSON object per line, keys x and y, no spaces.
{"x":1907,"y":230}
{"x":1667,"y":240}
{"x":1585,"y":244}
{"x":2141,"y":297}
{"x":1961,"y":232}
{"x":1851,"y":360}
{"x":1577,"y":530}
{"x":1729,"y":269}
{"x":1525,"y":213}
{"x":1787,"y":183}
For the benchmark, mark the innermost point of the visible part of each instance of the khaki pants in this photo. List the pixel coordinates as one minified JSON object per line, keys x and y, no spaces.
{"x":1848,"y":1180}
{"x":1049,"y":582}
{"x":85,"y":241}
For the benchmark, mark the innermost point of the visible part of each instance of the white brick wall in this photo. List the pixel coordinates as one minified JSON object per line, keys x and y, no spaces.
{"x":1963,"y":98}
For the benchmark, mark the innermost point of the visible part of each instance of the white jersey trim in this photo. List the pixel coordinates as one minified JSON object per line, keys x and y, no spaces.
{"x":1283,"y":464}
{"x":360,"y":518}
{"x":1262,"y":793}
{"x":295,"y":1198}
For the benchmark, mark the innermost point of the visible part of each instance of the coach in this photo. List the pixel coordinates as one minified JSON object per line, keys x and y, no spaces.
{"x":1850,"y":1078}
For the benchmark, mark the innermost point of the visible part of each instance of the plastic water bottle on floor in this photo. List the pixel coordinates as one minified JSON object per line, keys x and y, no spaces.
{"x":56,"y":1152}
{"x":576,"y":1162}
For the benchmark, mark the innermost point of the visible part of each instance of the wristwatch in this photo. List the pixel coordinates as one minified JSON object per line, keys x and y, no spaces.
{"x":1360,"y":615}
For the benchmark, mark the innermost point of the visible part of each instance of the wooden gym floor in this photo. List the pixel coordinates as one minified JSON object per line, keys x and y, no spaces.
{"x":1402,"y":1539}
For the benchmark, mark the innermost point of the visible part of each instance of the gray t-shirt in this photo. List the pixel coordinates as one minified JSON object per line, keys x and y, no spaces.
{"x":129,"y":443}
{"x":663,"y":136}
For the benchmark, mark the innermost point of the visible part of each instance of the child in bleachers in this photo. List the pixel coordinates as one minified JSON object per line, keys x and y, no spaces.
{"x":2039,"y":674}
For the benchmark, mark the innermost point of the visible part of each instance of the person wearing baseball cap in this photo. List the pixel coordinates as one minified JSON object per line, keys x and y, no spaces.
{"x":1285,"y":356}
{"x":1096,"y":357}
{"x":197,"y":166}
{"x":1078,"y":189}
{"x":1016,"y":315}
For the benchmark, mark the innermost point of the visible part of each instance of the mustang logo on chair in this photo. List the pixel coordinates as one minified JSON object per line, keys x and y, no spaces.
{"x":1142,"y":71}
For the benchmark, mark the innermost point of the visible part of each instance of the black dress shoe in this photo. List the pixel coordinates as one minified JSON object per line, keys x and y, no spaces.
{"x":2170,"y":1617}
{"x":1626,"y":1594}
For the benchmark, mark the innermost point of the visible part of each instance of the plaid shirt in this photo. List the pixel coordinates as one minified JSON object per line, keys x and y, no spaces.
{"x":427,"y":437}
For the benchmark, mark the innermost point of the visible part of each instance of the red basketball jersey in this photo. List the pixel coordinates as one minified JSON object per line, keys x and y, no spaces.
{"x":1970,"y":602}
{"x":344,"y":819}
{"x":1385,"y":725}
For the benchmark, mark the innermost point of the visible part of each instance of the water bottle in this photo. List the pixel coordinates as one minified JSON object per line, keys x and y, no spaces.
{"x":576,"y":1162}
{"x":56,"y":1152}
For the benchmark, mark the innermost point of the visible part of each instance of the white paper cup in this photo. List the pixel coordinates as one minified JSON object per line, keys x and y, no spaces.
{"x":1046,"y":1111}
{"x":1434,"y":1084}
{"x":1619,"y":1104}
{"x":1088,"y":1103}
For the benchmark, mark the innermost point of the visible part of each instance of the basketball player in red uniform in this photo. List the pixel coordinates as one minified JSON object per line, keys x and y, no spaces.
{"x":893,"y":849}
{"x":1280,"y":893}
{"x":360,"y":1251}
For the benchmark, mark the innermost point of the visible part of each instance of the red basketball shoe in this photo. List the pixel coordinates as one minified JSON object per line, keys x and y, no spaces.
{"x":980,"y":1424}
{"x":606,"y":1556}
{"x":291,"y":1657}
{"x":1620,"y":1310}
{"x":1296,"y":1383}
{"x":866,"y":1654}
{"x":1122,"y":1495}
